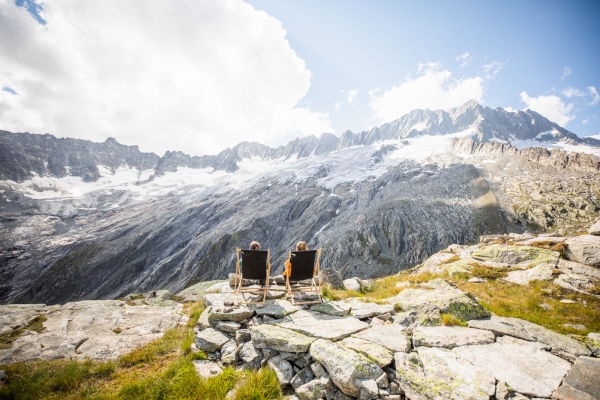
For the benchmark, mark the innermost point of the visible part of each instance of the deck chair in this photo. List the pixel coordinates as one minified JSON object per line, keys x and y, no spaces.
{"x":305,"y":266}
{"x":255,"y":265}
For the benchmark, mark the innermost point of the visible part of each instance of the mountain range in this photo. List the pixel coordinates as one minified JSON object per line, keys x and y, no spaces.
{"x":84,"y":220}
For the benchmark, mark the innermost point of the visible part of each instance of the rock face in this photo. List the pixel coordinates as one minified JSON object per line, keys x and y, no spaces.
{"x":582,"y":382}
{"x":516,"y":255}
{"x":584,"y":249}
{"x":100,"y":330}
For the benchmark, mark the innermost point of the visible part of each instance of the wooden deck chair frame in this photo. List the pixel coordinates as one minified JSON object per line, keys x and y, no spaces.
{"x":315,"y":286}
{"x":239,"y":278}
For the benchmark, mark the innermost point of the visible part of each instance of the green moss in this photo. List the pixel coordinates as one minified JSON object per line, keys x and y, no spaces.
{"x":36,"y":324}
{"x":515,"y":254}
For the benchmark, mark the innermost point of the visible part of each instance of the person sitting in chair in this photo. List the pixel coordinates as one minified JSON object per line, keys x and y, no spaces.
{"x":254,"y":245}
{"x":300,"y":246}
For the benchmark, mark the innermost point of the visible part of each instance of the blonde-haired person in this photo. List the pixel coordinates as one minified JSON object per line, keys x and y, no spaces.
{"x":254,"y":245}
{"x":300,"y":246}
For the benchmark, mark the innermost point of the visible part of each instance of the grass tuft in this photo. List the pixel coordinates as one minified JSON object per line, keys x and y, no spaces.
{"x":36,"y":324}
{"x":452,"y":320}
{"x":259,"y":385}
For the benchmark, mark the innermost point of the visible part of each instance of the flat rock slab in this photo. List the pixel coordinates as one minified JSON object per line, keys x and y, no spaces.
{"x":86,"y":329}
{"x":584,"y":249}
{"x":437,"y":263}
{"x":374,"y":352}
{"x":450,"y":336}
{"x":541,"y":272}
{"x":267,"y":336}
{"x":235,"y":313}
{"x":516,"y":255}
{"x":502,"y":326}
{"x":346,"y":367}
{"x":207,"y":369}
{"x":197,"y":291}
{"x":275,"y":308}
{"x":331,"y":308}
{"x":210,"y":340}
{"x":561,"y":345}
{"x":582,"y":382}
{"x":362,"y":309}
{"x":391,"y":337}
{"x":524,"y":366}
{"x":443,"y":299}
{"x":322,"y":326}
{"x":447,"y":375}
{"x":572,"y":267}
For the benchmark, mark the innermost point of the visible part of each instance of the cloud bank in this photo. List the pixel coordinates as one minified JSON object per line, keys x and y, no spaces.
{"x":551,"y":107}
{"x":195,"y":76}
{"x":434,"y":88}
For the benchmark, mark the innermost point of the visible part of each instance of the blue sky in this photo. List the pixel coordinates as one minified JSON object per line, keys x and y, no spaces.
{"x":200,"y":76}
{"x":366,"y":45}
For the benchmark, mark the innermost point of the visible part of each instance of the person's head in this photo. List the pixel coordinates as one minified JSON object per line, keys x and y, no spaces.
{"x":301,"y":246}
{"x":254,"y":245}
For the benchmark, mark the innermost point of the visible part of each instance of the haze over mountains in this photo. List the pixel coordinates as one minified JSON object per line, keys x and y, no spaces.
{"x":84,"y":220}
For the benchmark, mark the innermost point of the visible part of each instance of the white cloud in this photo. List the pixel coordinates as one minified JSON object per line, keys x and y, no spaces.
{"x":551,"y":107}
{"x":183,"y":75}
{"x":338,"y":106}
{"x":585,"y":121}
{"x":490,"y":70}
{"x":351,"y":95}
{"x":465,"y":59}
{"x":594,"y":94}
{"x":434,"y":89}
{"x":571,"y":91}
{"x":509,"y":109}
{"x":566,"y":72}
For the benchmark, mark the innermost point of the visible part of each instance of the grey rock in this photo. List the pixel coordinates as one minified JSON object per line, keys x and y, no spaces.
{"x":502,"y":391}
{"x":502,"y":326}
{"x":210,"y":340}
{"x":595,"y":229}
{"x":572,"y":267}
{"x":368,"y":390}
{"x":352,"y":284}
{"x":242,"y":336}
{"x":228,"y":326}
{"x":391,"y":337}
{"x":582,"y":382}
{"x":318,"y":370}
{"x":280,"y":339}
{"x":382,"y":381}
{"x":230,"y":353}
{"x":437,"y":263}
{"x":276,"y":309}
{"x":233,"y":314}
{"x":516,"y":255}
{"x":374,"y":352}
{"x":345,"y":367}
{"x":203,"y":320}
{"x":541,"y":272}
{"x":450,"y":336}
{"x":561,"y":345}
{"x":283,"y":369}
{"x":332,"y":278}
{"x":3,"y":375}
{"x":476,"y":279}
{"x":206,"y":369}
{"x":331,"y":308}
{"x":320,"y":325}
{"x":584,"y":249}
{"x":312,"y":390}
{"x":361,"y":309}
{"x":268,"y":353}
{"x":251,"y":355}
{"x":593,"y":342}
{"x":524,"y":366}
{"x":305,"y":375}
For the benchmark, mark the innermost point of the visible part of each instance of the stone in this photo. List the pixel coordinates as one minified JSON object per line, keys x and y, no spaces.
{"x":218,"y":299}
{"x":283,"y":369}
{"x":541,"y":272}
{"x":195,"y":292}
{"x":312,"y":390}
{"x":595,"y":229}
{"x":593,"y":342}
{"x":391,"y":337}
{"x":318,"y":370}
{"x":210,"y":340}
{"x":561,"y":345}
{"x":303,"y":361}
{"x":206,"y":369}
{"x":572,"y":267}
{"x":516,"y":255}
{"x":268,"y":353}
{"x":502,"y":326}
{"x":3,"y":375}
{"x":276,"y":309}
{"x":445,"y":374}
{"x":374,"y":352}
{"x":332,"y":278}
{"x":575,"y":282}
{"x":280,"y":339}
{"x":429,"y":304}
{"x":476,"y":279}
{"x":524,"y":366}
{"x":203,"y":320}
{"x":584,"y":249}
{"x":304,"y":376}
{"x":242,"y":336}
{"x":331,"y":308}
{"x":450,"y":336}
{"x":368,"y":390}
{"x":502,"y":391}
{"x":362,"y":309}
{"x":230,"y":314}
{"x":402,"y":285}
{"x":230,"y":353}
{"x":582,"y":382}
{"x":436,"y":264}
{"x":251,"y":355}
{"x":322,"y":326}
{"x":345,"y":367}
{"x":228,"y":326}
{"x":382,"y":381}
{"x":352,"y":284}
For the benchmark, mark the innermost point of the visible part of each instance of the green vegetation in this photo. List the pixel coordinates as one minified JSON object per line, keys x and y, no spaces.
{"x":452,"y":320}
{"x":163,"y":369}
{"x":7,"y":338}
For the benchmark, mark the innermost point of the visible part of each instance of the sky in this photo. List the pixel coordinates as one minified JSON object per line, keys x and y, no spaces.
{"x":201,"y":75}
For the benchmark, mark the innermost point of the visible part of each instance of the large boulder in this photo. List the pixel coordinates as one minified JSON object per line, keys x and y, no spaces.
{"x":443,"y":375}
{"x":207,"y":369}
{"x":332,"y":278}
{"x":322,"y":326}
{"x":584,"y":249}
{"x":251,"y":355}
{"x":234,"y":314}
{"x":345,"y":367}
{"x":560,"y":345}
{"x":541,"y":272}
{"x":283,"y":369}
{"x":374,"y":352}
{"x":502,"y":326}
{"x":442,"y":299}
{"x":450,"y":336}
{"x":276,"y":308}
{"x":525,"y":366}
{"x":267,"y":336}
{"x":572,"y":267}
{"x":352,"y":284}
{"x":516,"y":255}
{"x":210,"y":340}
{"x":582,"y":382}
{"x":362,"y":309}
{"x":391,"y":337}
{"x":595,"y":229}
{"x":436,"y":264}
